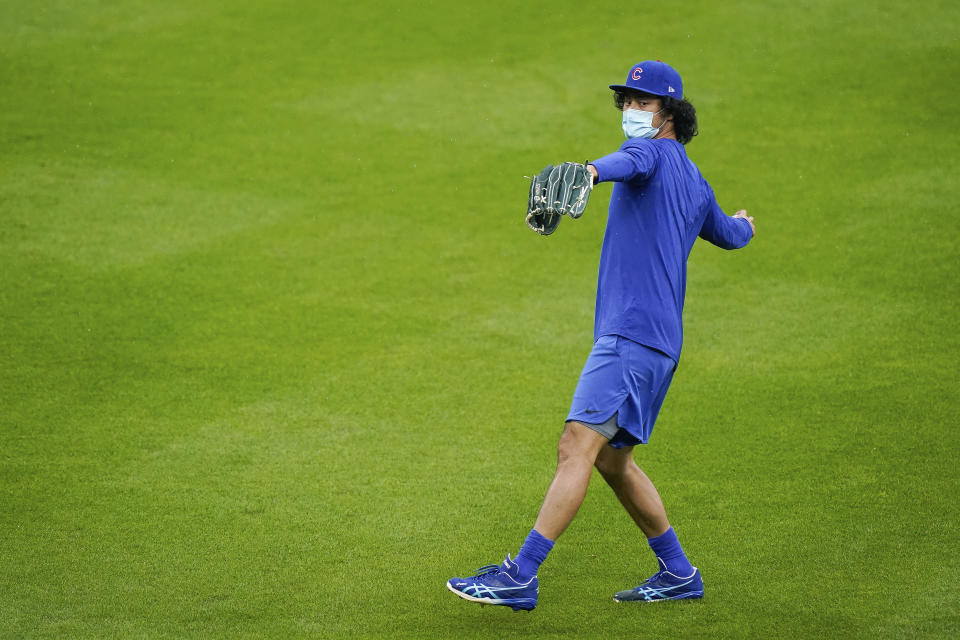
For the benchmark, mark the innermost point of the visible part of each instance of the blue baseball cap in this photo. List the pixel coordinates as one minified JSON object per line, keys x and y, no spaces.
{"x":653,"y":77}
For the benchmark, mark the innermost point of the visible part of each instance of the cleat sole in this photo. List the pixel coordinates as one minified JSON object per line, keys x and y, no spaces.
{"x":518,"y":604}
{"x":685,"y":596}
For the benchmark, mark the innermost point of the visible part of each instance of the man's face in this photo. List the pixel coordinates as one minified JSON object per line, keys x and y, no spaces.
{"x":643,"y":102}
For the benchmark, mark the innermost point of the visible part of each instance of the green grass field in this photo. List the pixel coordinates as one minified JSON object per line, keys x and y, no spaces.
{"x":278,"y":355}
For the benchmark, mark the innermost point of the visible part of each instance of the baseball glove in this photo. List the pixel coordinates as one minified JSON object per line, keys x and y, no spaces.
{"x":557,"y":190}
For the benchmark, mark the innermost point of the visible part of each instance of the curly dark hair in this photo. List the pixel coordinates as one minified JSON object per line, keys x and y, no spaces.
{"x":684,"y":115}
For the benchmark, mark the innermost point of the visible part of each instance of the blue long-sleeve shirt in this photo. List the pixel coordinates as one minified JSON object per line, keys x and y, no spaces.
{"x":659,"y":205}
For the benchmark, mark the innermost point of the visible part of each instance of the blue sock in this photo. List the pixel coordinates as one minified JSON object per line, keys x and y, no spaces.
{"x":532,"y":554}
{"x":669,"y":551}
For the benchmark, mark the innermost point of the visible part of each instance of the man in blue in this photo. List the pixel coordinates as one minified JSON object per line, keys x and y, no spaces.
{"x":660,"y":204}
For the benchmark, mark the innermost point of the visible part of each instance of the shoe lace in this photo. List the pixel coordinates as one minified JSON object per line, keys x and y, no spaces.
{"x":648,"y":580}
{"x":486,"y":570}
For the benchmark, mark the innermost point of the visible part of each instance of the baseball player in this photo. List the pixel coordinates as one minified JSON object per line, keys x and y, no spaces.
{"x":660,"y":204}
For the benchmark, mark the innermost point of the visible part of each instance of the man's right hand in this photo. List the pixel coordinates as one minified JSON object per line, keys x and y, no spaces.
{"x":743,"y":214}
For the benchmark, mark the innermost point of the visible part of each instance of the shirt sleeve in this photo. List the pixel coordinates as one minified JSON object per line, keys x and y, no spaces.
{"x":636,"y":159}
{"x":722,"y":230}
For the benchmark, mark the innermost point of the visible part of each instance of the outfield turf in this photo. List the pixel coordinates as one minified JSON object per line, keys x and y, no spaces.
{"x":278,"y":355}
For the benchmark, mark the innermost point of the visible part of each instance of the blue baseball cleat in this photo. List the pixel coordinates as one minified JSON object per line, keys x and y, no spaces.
{"x":498,"y":585}
{"x":664,"y":585}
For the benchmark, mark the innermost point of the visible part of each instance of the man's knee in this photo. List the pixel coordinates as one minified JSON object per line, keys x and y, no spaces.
{"x":568,"y":446}
{"x":577,"y":443}
{"x":613,"y":463}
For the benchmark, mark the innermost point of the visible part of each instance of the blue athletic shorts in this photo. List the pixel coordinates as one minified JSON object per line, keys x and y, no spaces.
{"x":625,"y":379}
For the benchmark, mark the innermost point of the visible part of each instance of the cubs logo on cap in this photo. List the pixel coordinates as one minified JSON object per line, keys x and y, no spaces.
{"x":653,"y":77}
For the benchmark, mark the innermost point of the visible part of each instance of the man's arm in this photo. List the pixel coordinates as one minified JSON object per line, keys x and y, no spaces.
{"x":727,"y":232}
{"x":634,"y":159}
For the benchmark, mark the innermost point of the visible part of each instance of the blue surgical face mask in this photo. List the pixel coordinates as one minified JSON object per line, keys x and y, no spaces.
{"x":639,"y":124}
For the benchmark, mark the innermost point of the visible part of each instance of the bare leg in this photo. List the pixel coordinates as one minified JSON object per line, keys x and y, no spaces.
{"x":634,"y":489}
{"x":576,"y":454}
